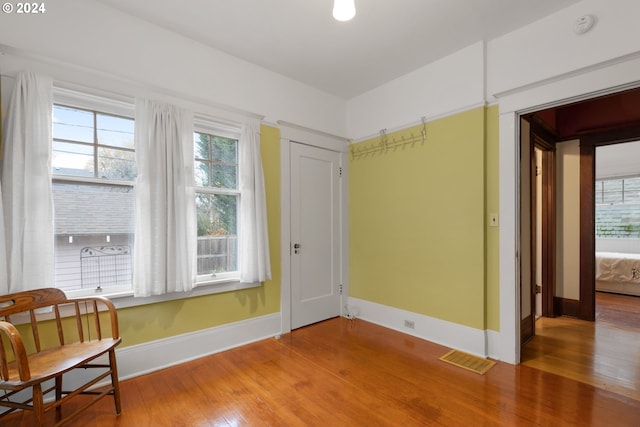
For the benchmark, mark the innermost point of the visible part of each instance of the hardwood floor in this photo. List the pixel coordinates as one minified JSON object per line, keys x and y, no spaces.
{"x":352,"y":373}
{"x":604,"y":353}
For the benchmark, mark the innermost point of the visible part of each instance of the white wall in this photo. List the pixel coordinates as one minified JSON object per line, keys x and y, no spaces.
{"x":447,"y":86}
{"x":96,"y":37}
{"x":549,"y":49}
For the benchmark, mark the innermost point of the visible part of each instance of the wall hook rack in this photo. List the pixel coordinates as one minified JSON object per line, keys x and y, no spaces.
{"x":384,"y":145}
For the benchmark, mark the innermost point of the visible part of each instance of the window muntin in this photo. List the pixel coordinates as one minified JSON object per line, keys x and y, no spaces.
{"x":93,"y":162}
{"x":618,"y":190}
{"x":217,"y":204}
{"x":92,"y":144}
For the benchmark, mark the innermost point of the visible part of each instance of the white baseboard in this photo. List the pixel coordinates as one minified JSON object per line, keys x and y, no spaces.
{"x":448,"y":334}
{"x":155,"y":355}
{"x":152,"y":356}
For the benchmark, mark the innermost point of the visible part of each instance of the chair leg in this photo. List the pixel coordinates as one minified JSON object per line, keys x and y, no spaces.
{"x":38,"y":405}
{"x":115,"y":382}
{"x":58,"y":397}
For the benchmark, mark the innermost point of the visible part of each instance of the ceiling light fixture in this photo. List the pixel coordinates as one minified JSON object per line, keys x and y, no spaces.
{"x":344,"y":10}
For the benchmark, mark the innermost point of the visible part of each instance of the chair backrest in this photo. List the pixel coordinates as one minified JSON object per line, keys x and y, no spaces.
{"x":25,"y":301}
{"x":31,"y":308}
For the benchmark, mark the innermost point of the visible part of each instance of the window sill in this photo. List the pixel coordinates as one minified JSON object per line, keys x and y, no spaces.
{"x":126,"y":299}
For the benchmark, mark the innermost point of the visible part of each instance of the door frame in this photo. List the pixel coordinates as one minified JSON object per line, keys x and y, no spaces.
{"x":292,"y":133}
{"x":588,"y":144}
{"x":589,"y":82}
{"x":545,"y":142}
{"x":539,"y":138}
{"x":527,"y":231}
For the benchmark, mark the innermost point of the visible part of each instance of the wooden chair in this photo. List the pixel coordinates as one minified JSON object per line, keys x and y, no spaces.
{"x":44,"y":335}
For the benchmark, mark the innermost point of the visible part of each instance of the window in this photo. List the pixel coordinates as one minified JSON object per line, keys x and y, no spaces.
{"x":618,"y":208}
{"x":93,"y":167}
{"x":217,"y":204}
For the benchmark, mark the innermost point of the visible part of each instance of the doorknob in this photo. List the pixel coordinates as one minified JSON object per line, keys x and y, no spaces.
{"x":296,"y":248}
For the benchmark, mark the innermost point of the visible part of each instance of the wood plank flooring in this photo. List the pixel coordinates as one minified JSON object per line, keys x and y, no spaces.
{"x":604,"y":353}
{"x":352,"y":373}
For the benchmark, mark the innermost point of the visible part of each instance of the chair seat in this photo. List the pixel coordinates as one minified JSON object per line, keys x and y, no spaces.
{"x":52,"y":362}
{"x":61,"y":352}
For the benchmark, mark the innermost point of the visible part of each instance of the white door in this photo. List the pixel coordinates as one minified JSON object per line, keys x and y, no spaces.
{"x":315,"y":234}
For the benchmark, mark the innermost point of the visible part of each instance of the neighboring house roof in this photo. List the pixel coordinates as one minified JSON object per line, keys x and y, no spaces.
{"x":81,"y":210}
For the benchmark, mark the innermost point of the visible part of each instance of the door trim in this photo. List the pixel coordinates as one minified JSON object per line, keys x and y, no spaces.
{"x":545,"y":142}
{"x":290,"y":133}
{"x":587,"y":303}
{"x":588,"y":144}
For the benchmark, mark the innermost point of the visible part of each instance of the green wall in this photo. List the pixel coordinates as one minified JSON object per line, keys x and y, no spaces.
{"x":419,"y":239}
{"x":161,"y":320}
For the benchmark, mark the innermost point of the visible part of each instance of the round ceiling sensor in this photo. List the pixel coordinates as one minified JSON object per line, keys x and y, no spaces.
{"x":584,"y":24}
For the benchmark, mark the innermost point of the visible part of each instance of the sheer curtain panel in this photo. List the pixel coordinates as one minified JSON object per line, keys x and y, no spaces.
{"x":255,"y":265}
{"x":165,"y":244}
{"x":26,"y":184}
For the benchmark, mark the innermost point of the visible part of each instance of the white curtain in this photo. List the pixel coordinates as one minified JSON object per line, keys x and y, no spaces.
{"x":165,"y":244}
{"x":26,"y":185}
{"x":255,"y":265}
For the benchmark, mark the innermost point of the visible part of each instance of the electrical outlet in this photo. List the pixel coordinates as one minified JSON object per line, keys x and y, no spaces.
{"x":409,"y":324}
{"x":493,"y":220}
{"x":351,"y":312}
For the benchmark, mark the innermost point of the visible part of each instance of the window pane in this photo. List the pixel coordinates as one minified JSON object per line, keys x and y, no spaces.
{"x":116,"y":164}
{"x":632,"y":190}
{"x":94,"y":228}
{"x":202,"y":173}
{"x":201,"y":146}
{"x":598,"y":192}
{"x":612,"y":191}
{"x":217,"y":233}
{"x":115,"y":131}
{"x":72,"y":159}
{"x":224,"y":176}
{"x":72,"y":124}
{"x":224,"y":150}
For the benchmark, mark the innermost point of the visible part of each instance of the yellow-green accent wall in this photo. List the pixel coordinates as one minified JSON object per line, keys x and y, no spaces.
{"x":151,"y":322}
{"x":419,"y":238}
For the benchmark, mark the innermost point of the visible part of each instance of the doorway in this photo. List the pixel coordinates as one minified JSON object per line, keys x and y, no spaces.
{"x":313,"y":187}
{"x":579,"y":128}
{"x":315,"y":234}
{"x":538,"y":226}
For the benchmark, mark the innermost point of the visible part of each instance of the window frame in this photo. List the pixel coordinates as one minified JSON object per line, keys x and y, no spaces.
{"x":121,"y":105}
{"x":95,"y":105}
{"x":211,"y":128}
{"x":610,"y":229}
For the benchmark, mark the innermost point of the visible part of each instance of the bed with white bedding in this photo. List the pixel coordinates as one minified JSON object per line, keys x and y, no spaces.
{"x":618,"y":272}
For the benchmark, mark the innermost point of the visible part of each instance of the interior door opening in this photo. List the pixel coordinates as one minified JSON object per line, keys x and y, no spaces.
{"x":538,"y":226}
{"x":315,"y":234}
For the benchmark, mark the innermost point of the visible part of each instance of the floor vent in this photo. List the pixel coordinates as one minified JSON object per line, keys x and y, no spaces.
{"x":467,"y":361}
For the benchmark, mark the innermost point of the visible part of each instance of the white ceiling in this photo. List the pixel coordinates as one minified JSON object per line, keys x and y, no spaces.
{"x":300,"y":39}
